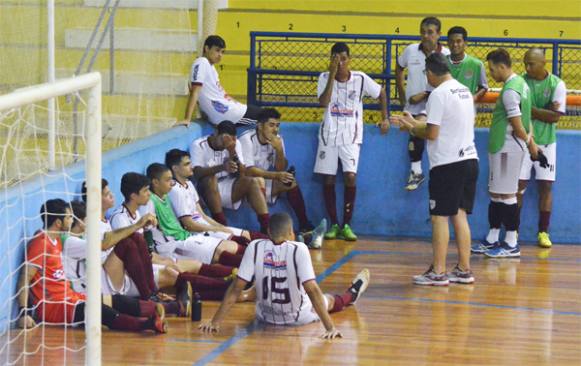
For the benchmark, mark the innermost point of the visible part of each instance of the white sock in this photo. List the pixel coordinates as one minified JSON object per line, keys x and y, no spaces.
{"x":417,"y":167}
{"x":510,"y":238}
{"x":492,"y":236}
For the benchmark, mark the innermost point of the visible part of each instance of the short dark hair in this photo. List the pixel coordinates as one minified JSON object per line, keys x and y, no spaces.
{"x":227,"y":127}
{"x":155,"y":170}
{"x":174,"y":157}
{"x":499,"y":56}
{"x":53,"y":210}
{"x":133,"y":183}
{"x":437,"y":64}
{"x":79,"y":211}
{"x":278,"y":225}
{"x":432,"y":21}
{"x":215,"y":40}
{"x":104,"y":184}
{"x":266,"y":114}
{"x":340,"y":47}
{"x":458,"y":30}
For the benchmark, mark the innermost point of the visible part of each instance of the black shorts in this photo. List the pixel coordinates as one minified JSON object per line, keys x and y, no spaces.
{"x":453,"y":186}
{"x":251,"y":115}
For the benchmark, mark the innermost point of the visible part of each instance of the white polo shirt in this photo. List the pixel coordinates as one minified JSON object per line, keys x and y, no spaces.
{"x":214,"y":100}
{"x":204,"y":156}
{"x":256,"y":154}
{"x":343,"y":117}
{"x":414,"y":59}
{"x":184,"y":200}
{"x":122,"y":217}
{"x":451,"y":106}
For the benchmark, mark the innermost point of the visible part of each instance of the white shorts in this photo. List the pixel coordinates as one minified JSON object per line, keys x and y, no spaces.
{"x":225,"y":187}
{"x":307,"y":315}
{"x":504,"y":170}
{"x":550,"y":151}
{"x":328,"y":158}
{"x":200,"y":247}
{"x":270,"y":199}
{"x":219,"y":234}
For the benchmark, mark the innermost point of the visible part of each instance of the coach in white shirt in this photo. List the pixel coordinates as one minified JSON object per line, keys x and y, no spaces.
{"x":449,"y":130}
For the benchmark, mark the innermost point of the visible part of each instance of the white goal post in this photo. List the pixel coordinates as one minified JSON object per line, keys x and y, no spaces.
{"x":43,"y":92}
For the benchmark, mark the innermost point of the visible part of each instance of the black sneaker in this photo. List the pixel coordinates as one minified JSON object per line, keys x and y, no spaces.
{"x":414,"y":181}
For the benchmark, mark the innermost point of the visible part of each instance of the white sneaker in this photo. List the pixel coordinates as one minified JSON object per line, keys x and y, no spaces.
{"x":359,"y":284}
{"x":318,"y":235}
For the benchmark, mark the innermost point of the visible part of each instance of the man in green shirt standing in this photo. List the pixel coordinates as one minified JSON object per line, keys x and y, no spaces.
{"x":549,"y":98}
{"x":468,"y":70}
{"x":508,"y":137}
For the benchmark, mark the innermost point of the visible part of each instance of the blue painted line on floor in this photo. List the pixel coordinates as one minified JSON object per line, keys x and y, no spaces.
{"x":476,"y":304}
{"x":187,"y":340}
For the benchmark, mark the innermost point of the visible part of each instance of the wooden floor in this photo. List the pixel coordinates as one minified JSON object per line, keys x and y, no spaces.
{"x":519,"y":312}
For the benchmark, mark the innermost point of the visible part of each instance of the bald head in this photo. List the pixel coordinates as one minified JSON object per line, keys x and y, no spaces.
{"x":535,"y":61}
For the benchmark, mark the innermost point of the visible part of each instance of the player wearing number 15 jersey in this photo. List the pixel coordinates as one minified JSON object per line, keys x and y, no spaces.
{"x":287,"y":292}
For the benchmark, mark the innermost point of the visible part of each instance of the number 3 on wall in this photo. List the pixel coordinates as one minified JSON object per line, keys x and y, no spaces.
{"x":284,"y":292}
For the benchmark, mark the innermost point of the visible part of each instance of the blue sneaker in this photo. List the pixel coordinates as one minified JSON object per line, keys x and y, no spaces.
{"x":318,"y":234}
{"x":482,"y":247}
{"x":503,"y":250}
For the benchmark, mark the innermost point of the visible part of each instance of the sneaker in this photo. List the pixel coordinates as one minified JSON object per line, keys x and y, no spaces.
{"x":157,"y":321}
{"x":503,"y":250}
{"x":317,"y":235}
{"x":348,"y":233}
{"x":300,"y":238}
{"x":359,"y":284}
{"x":307,"y":228}
{"x":232,"y":275}
{"x":184,"y":299}
{"x":333,"y":232}
{"x":431,"y":278}
{"x":544,"y":240}
{"x":459,"y":276}
{"x":414,"y":181}
{"x":482,"y":247}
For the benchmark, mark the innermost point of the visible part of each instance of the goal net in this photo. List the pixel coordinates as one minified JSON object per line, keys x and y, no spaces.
{"x":37,"y":164}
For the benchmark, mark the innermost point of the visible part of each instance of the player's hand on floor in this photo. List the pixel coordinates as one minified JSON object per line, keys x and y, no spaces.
{"x":209,"y":327}
{"x":332,"y":334}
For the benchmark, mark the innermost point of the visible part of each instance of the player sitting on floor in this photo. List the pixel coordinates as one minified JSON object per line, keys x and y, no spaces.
{"x":54,"y":301}
{"x":284,"y":275}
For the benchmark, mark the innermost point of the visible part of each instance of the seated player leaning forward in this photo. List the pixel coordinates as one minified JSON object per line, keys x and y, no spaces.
{"x":170,"y":236}
{"x":185,"y":202}
{"x":284,"y":275}
{"x":55,"y":302}
{"x":219,"y":169}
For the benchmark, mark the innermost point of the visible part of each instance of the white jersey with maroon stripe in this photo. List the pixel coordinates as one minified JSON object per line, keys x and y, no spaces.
{"x":280,"y":271}
{"x":122,"y":217}
{"x":206,"y":157}
{"x":343,"y":118}
{"x":256,"y":154}
{"x":184,"y":200}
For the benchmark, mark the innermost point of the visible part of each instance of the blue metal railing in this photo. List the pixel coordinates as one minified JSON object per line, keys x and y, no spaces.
{"x":275,"y":78}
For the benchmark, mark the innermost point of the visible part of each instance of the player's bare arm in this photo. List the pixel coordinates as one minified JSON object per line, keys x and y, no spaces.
{"x":418,"y":98}
{"x":384,"y":123}
{"x":195,"y":90}
{"x":400,"y":82}
{"x":521,"y":133}
{"x":196,"y":227}
{"x":480,"y":93}
{"x":549,"y":114}
{"x":317,"y":298}
{"x":26,"y":274}
{"x":202,"y":172}
{"x":111,"y":238}
{"x":281,"y":162}
{"x":418,"y":128}
{"x":325,"y":98}
{"x":232,"y":294}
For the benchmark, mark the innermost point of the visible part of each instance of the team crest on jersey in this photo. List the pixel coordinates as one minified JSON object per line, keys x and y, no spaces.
{"x":547,"y":93}
{"x":219,"y":107}
{"x":269,"y":262}
{"x":352,"y":95}
{"x":469,"y":74}
{"x":337,"y":111}
{"x":322,"y":155}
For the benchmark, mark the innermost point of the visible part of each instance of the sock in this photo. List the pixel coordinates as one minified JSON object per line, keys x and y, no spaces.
{"x":201,"y":283}
{"x":493,"y":235}
{"x":128,"y":322}
{"x":348,"y":206}
{"x":263,"y":220}
{"x":220,"y":217}
{"x":241,"y":249}
{"x":215,"y":270}
{"x":416,"y":149}
{"x":510,"y":238}
{"x":131,"y":306}
{"x":127,"y":251}
{"x":518,"y":217}
{"x":544,"y":219}
{"x":416,"y":167}
{"x":143,"y":250}
{"x":297,"y":202}
{"x":494,"y":220}
{"x":240,"y":240}
{"x":257,"y":235}
{"x":229,"y":259}
{"x":330,"y":202}
{"x":340,"y":303}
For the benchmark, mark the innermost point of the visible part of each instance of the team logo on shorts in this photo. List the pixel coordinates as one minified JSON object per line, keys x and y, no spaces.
{"x":432,"y":204}
{"x":468,"y":74}
{"x":322,"y":155}
{"x":219,"y":107}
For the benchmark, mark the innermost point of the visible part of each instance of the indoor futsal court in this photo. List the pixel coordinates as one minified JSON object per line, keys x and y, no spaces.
{"x":158,"y":152}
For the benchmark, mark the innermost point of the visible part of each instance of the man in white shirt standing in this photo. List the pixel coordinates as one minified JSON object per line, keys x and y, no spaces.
{"x":340,"y":92}
{"x":449,"y":130}
{"x":413,"y":98}
{"x":286,"y":283}
{"x":205,"y":89}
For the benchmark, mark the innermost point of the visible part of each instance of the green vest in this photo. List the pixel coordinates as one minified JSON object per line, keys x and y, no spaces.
{"x":542,"y":92}
{"x":467,"y":72}
{"x":166,"y":218}
{"x":497,"y":133}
